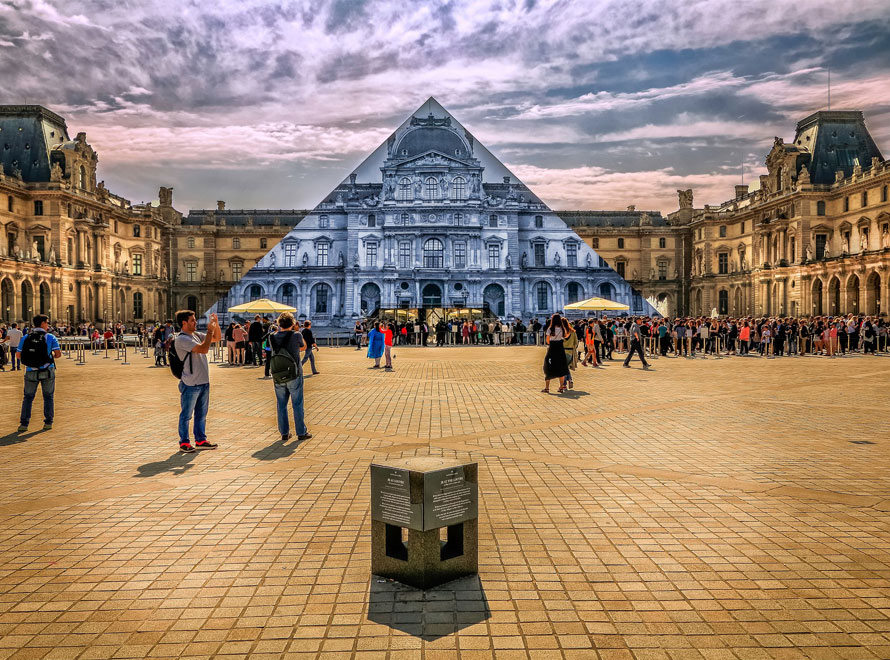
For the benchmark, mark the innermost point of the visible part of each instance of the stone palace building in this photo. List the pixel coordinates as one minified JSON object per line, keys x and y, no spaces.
{"x":814,"y":238}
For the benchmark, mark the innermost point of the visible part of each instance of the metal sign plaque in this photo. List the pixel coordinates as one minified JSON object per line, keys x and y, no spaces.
{"x":391,"y":498}
{"x":448,"y":498}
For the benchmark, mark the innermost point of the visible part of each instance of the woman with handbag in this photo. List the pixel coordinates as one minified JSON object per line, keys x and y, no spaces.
{"x":555,"y":363}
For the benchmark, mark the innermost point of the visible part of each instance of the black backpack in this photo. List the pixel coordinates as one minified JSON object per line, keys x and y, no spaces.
{"x":35,"y":351}
{"x":173,"y":359}
{"x":282,"y":365}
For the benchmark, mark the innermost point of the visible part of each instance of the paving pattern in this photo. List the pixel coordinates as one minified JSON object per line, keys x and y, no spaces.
{"x":707,"y":509}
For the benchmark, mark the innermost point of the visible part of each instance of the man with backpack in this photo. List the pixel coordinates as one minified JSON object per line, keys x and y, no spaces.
{"x":188,"y":362}
{"x":287,"y":374}
{"x":37,"y":351}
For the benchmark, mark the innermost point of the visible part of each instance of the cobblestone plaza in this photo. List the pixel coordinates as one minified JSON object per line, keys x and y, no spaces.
{"x":714,"y":509}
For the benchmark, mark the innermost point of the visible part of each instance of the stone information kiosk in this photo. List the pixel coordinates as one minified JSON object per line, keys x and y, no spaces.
{"x":424,"y":520}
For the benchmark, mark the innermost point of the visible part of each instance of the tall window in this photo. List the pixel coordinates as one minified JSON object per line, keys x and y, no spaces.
{"x":540,"y":255}
{"x":236,"y":243}
{"x":492,"y":221}
{"x":543,"y":295}
{"x":820,"y":208}
{"x":723,"y":302}
{"x":433,"y":253}
{"x":38,"y":207}
{"x":722,"y":231}
{"x":372,"y":220}
{"x":539,"y":222}
{"x":10,"y":204}
{"x":137,"y":264}
{"x":821,"y":239}
{"x":743,"y":228}
{"x":662,"y":243}
{"x":662,"y":270}
{"x":405,"y":218}
{"x":494,"y":255}
{"x":137,"y":305}
{"x":404,"y":193}
{"x":846,"y":203}
{"x":431,"y":186}
{"x":620,"y":243}
{"x":460,"y":255}
{"x":458,"y":189}
{"x":620,"y":267}
{"x":190,"y":242}
{"x":236,"y":270}
{"x":572,"y":255}
{"x":864,"y":199}
{"x":287,"y":294}
{"x":324,"y":221}
{"x":722,"y":263}
{"x":458,"y":218}
{"x":321,"y":299}
{"x":191,"y":271}
{"x":573,"y":292}
{"x":404,"y":254}
{"x":321,"y":257}
{"x":290,"y":255}
{"x":137,"y":230}
{"x":262,"y":243}
{"x":371,"y":254}
{"x":883,"y":195}
{"x":595,"y":243}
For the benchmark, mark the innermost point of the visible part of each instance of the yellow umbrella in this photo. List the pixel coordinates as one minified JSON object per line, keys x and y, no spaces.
{"x":599,"y":304}
{"x":261,"y":306}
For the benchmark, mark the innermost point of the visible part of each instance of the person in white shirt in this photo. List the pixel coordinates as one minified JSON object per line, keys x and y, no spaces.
{"x":13,"y":337}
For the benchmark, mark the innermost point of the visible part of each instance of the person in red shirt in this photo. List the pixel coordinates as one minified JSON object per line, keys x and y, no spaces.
{"x":387,"y":346}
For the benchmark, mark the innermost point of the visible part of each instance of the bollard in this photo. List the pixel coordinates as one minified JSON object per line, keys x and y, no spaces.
{"x":124,"y":350}
{"x":415,"y":502}
{"x":717,"y":354}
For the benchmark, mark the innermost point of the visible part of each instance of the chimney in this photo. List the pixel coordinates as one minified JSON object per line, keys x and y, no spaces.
{"x":741,"y":191}
{"x":352,"y":178}
{"x":220,"y":205}
{"x":507,"y":180}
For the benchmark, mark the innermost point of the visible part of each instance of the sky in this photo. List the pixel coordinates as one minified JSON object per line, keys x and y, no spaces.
{"x":594,"y":104}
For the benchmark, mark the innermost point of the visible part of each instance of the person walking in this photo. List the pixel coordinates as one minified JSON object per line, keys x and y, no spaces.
{"x":634,"y":337}
{"x":191,"y":348}
{"x":375,"y":344}
{"x":13,"y":339}
{"x":311,"y":346}
{"x":570,"y":344}
{"x":555,"y":363}
{"x":38,"y":351}
{"x":287,"y":373}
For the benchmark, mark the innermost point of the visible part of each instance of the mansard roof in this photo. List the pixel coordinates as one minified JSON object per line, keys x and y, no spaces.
{"x":611,"y":218}
{"x":27,"y":135}
{"x":836,"y":140}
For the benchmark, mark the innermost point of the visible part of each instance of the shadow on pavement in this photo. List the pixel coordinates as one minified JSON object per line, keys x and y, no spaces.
{"x":429,"y":614}
{"x":277,"y":450}
{"x":16,"y":438}
{"x":177,"y":464}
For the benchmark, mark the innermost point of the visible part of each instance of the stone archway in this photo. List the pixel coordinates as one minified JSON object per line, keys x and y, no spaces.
{"x":817,"y":293}
{"x":494,"y":299}
{"x":852,"y":294}
{"x":27,"y":301}
{"x":873,"y":294}
{"x":834,"y":296}
{"x":7,"y":300}
{"x":370,"y":299}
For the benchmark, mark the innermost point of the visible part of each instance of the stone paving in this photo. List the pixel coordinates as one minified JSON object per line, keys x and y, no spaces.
{"x":708,"y":509}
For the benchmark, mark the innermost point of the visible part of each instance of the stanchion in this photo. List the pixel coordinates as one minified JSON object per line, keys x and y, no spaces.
{"x":717,"y":354}
{"x":81,"y":353}
{"x":124,"y":351}
{"x":106,"y":351}
{"x":689,"y":354}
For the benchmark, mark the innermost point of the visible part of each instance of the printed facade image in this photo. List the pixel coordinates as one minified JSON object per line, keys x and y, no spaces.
{"x":431,"y":226}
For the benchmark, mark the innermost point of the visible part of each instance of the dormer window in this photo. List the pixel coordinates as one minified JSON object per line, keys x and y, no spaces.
{"x":324,"y":221}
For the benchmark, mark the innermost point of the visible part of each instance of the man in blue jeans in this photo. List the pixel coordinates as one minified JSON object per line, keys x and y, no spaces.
{"x":40,"y":369}
{"x":194,"y":388}
{"x":292,"y":390}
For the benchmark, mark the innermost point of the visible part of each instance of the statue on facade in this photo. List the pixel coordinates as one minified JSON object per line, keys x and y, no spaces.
{"x":589,"y":260}
{"x":803,"y":179}
{"x":808,"y":252}
{"x":825,"y":252}
{"x":557,"y":259}
{"x":885,"y":239}
{"x":55,"y":174}
{"x":418,"y":187}
{"x":685,"y":198}
{"x":652,"y":274}
{"x":509,"y":261}
{"x":203,"y":275}
{"x":35,"y":253}
{"x":523,"y":260}
{"x":272,"y":259}
{"x":443,"y":187}
{"x":863,"y":241}
{"x":126,"y":268}
{"x":633,"y":274}
{"x":370,"y":201}
{"x":389,"y":186}
{"x":846,"y":244}
{"x":341,"y":260}
{"x":52,"y":255}
{"x":475,"y":185}
{"x":305,"y":259}
{"x":676,"y":274}
{"x":102,"y":191}
{"x":339,"y":199}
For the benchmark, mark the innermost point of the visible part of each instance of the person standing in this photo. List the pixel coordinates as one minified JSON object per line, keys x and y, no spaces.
{"x":286,"y":346}
{"x":358,"y":331}
{"x":555,"y":363}
{"x":311,"y":346}
{"x":387,"y":345}
{"x":634,"y":338}
{"x":38,"y":351}
{"x":375,"y":344}
{"x":255,"y":337}
{"x":13,"y":338}
{"x":191,"y":348}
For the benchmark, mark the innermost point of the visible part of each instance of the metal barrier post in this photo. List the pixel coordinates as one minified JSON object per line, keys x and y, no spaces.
{"x":124,"y":349}
{"x":717,"y":355}
{"x":81,"y":353}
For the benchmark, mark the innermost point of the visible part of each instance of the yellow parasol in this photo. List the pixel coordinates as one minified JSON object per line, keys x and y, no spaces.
{"x":261,"y":306}
{"x":599,"y":305}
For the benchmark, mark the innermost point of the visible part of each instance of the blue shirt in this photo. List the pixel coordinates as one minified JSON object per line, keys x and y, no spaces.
{"x":52,"y":344}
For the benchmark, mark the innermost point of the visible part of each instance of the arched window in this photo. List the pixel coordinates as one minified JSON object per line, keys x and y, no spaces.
{"x":606,"y":291}
{"x":137,"y":305}
{"x":404,"y":193}
{"x":542,"y":295}
{"x":458,"y":189}
{"x":256,"y":291}
{"x":191,"y":303}
{"x":431,"y":187}
{"x":287,"y":294}
{"x":433,"y":253}
{"x":539,"y":222}
{"x":573,"y":292}
{"x":321,"y":295}
{"x":662,"y":242}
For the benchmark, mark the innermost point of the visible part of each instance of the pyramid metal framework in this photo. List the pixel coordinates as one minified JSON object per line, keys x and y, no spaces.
{"x":431,"y":225}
